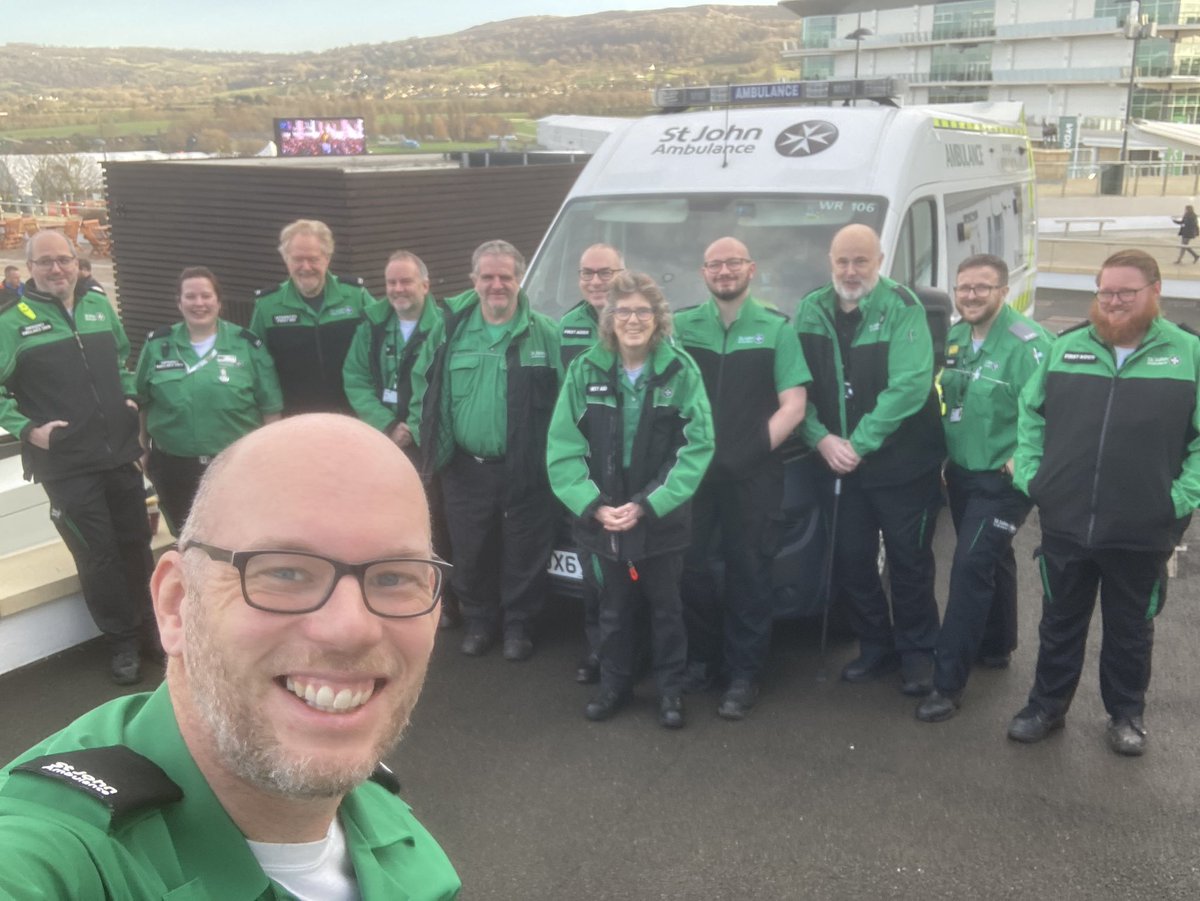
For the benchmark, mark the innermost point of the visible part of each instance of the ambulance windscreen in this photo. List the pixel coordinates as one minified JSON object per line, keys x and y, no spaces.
{"x":665,"y":236}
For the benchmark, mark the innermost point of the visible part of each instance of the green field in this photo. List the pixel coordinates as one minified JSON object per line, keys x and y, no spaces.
{"x":132,"y":127}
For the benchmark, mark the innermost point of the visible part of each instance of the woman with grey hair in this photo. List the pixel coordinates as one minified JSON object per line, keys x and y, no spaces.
{"x":629,"y":442}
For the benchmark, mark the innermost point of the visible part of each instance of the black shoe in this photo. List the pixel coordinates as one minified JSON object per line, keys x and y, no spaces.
{"x":588,"y":671}
{"x":518,"y":647}
{"x":126,"y":667}
{"x":670,"y":712}
{"x":917,"y":672}
{"x":1127,"y":736}
{"x":476,"y":642}
{"x":1031,"y":725}
{"x":605,"y":704}
{"x":738,"y":699}
{"x":994,"y":661}
{"x":870,"y":665}
{"x":936,"y":706}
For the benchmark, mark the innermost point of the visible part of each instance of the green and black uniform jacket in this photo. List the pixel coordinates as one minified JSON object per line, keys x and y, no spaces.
{"x":531,"y":388}
{"x":387,"y":381}
{"x":309,"y":347}
{"x":745,"y":369}
{"x":198,"y":407}
{"x":882,"y":398}
{"x":671,"y":450}
{"x":981,"y":388}
{"x":114,"y":807}
{"x":580,"y":330}
{"x":1112,"y":456}
{"x":57,"y":366}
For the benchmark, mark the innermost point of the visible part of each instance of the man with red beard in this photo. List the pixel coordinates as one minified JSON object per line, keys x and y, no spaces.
{"x":298,"y":626}
{"x":1108,"y":447}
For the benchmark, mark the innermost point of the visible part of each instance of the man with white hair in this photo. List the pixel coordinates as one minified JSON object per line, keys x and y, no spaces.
{"x":873,"y":417}
{"x":308,"y":320}
{"x":298,"y":616}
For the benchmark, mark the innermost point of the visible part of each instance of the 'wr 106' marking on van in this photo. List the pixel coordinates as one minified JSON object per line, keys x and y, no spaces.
{"x":857,"y":206}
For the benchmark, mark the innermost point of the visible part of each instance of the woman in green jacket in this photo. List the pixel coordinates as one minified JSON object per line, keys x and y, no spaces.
{"x":629,"y":442}
{"x":201,"y":384}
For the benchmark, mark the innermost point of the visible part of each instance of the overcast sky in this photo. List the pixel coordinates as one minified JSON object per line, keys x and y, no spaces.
{"x":287,"y":25}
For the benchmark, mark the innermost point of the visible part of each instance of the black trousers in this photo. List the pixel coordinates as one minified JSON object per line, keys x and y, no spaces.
{"x":1133,"y":588}
{"x":906,"y":515}
{"x":175,"y":480}
{"x":657,"y":586}
{"x":501,"y":549}
{"x":730,"y":629}
{"x":981,"y":611}
{"x":101,"y":517}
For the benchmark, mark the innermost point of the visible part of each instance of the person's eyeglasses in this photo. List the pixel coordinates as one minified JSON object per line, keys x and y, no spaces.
{"x":605,"y":275}
{"x":1124,"y":294}
{"x":299,"y":582}
{"x":642,"y":314}
{"x":977,"y":290}
{"x":47,"y":262}
{"x":733,"y":264}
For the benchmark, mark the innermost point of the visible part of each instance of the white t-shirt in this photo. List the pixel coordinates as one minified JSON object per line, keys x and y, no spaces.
{"x":312,"y":871}
{"x":407,"y":327}
{"x":1122,"y":354}
{"x":203,"y":347}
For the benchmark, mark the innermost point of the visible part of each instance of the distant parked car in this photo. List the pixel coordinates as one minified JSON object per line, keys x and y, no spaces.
{"x":410,"y":144}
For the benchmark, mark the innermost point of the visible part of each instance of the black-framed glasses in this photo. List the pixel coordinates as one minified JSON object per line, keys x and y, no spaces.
{"x":1124,"y":294}
{"x":980,"y":290}
{"x":733,"y":264}
{"x":280,"y":581}
{"x":605,"y":275}
{"x":48,"y":262}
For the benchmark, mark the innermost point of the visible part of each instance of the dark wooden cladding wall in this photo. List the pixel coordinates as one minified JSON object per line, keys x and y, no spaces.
{"x":166,"y":215}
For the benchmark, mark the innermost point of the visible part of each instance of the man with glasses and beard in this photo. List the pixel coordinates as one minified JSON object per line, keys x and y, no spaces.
{"x":873,"y":417}
{"x":298,"y":626}
{"x":65,"y":391}
{"x":755,"y":376}
{"x":1108,"y":447}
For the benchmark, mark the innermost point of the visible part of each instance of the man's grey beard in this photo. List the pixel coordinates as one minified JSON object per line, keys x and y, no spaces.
{"x":856,"y":295}
{"x":247,"y":749}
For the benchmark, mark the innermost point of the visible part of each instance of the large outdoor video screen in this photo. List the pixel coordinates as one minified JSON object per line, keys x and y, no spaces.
{"x":320,"y":137}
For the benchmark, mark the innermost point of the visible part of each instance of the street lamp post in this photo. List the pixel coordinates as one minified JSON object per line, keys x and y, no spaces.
{"x":1135,"y":30}
{"x":857,"y":36}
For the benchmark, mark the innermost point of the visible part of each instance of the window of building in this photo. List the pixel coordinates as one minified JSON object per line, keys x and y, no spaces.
{"x":957,"y":94}
{"x":964,"y":19}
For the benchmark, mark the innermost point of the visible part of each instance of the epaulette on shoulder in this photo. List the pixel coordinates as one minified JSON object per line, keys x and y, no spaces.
{"x":8,"y":303}
{"x":384,"y":776}
{"x":906,"y":294}
{"x":1187,"y":328}
{"x":118,"y":777}
{"x":694,"y":306}
{"x":269,"y":289}
{"x":351,"y":280}
{"x":1073,"y":328}
{"x":160,"y":332}
{"x":250,"y":337}
{"x":1023,"y":330}
{"x":775,"y":311}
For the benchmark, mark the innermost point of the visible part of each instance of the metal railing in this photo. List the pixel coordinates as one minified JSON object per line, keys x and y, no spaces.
{"x":1128,"y":179}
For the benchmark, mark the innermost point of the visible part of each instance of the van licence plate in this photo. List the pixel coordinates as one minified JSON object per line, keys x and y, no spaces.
{"x":565,"y":565}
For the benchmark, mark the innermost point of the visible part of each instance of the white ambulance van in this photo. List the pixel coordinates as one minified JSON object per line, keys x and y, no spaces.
{"x":938,"y":183}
